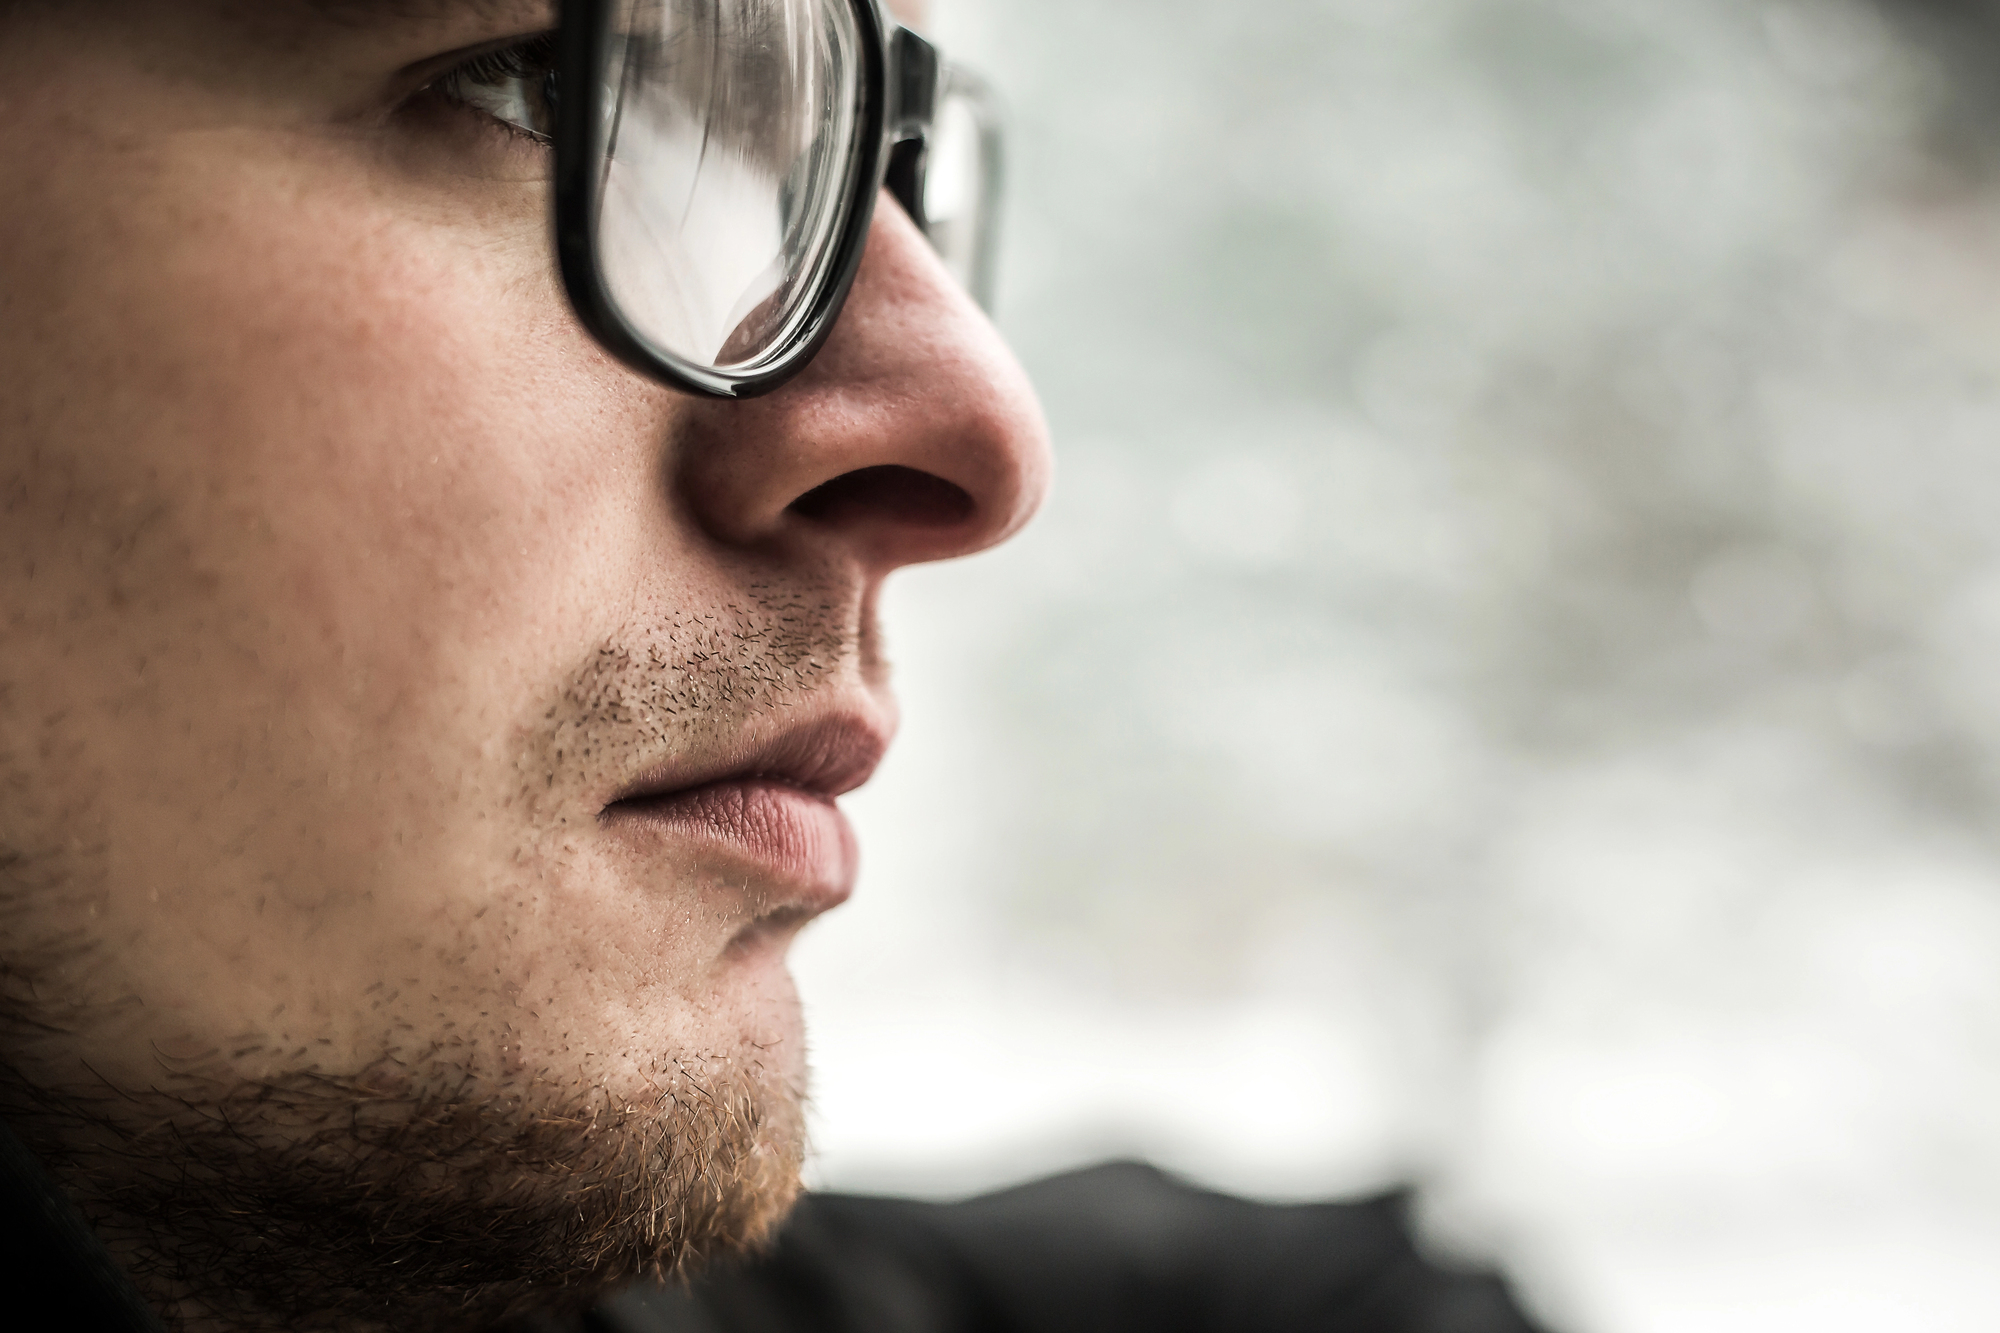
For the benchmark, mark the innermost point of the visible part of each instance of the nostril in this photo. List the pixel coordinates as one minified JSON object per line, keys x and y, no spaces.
{"x":889,"y":493}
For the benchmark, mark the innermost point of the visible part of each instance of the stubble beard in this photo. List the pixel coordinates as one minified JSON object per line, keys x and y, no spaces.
{"x":317,"y":1202}
{"x":452,"y":1197}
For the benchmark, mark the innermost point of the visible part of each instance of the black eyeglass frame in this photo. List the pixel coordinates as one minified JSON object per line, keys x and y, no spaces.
{"x":899,"y":87}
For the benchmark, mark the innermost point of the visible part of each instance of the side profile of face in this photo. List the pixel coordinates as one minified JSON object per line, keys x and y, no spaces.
{"x":419,"y":734}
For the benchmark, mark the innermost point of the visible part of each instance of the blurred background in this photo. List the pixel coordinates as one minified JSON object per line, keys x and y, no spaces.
{"x":1506,"y":693}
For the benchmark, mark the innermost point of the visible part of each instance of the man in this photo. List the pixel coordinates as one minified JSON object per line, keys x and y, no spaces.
{"x":422,"y":710}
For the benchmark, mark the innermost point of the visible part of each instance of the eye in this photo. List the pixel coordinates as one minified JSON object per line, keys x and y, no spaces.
{"x":515,"y":85}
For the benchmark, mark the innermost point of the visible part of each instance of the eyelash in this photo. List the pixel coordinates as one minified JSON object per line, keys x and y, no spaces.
{"x":528,"y":65}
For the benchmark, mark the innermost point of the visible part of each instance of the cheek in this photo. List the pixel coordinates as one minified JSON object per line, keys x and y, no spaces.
{"x":311,"y":496}
{"x":238,"y":364}
{"x":328,"y":468}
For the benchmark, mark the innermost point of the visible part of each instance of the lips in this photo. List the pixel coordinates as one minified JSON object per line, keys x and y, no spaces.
{"x":767,"y":808}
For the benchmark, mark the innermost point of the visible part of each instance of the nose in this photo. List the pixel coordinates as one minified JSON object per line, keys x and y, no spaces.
{"x":912,"y":436}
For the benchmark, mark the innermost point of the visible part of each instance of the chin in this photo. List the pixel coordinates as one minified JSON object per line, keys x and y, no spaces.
{"x":451,"y":1199}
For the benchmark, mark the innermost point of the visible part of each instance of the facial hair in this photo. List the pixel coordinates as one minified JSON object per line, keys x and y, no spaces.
{"x":434,"y":1188}
{"x":316,"y":1202}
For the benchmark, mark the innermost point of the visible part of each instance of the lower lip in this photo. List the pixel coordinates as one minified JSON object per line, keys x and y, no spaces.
{"x":796,"y":838}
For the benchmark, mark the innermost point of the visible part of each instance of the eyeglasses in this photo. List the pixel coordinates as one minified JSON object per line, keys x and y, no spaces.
{"x":717,"y":165}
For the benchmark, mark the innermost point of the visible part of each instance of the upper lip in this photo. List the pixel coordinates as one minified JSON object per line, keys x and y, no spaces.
{"x":826,"y":756}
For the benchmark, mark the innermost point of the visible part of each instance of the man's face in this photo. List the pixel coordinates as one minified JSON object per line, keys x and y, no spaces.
{"x":418,"y":733}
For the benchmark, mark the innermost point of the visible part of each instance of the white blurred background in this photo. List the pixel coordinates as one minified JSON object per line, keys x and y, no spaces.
{"x":1506,"y":693}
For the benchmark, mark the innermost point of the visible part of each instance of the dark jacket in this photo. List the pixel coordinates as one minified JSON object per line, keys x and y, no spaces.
{"x":1117,"y":1249}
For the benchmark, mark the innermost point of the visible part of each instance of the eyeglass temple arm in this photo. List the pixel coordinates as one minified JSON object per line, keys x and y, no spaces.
{"x":914,"y":77}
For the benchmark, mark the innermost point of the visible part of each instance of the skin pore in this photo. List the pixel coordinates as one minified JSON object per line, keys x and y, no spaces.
{"x":349,"y":590}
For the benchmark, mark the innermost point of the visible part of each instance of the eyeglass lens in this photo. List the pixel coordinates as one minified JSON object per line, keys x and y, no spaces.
{"x":732,"y":143}
{"x":962,"y":181}
{"x":731,"y":152}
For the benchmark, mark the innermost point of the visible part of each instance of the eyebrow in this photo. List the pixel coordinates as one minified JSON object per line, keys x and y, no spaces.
{"x":364,"y":12}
